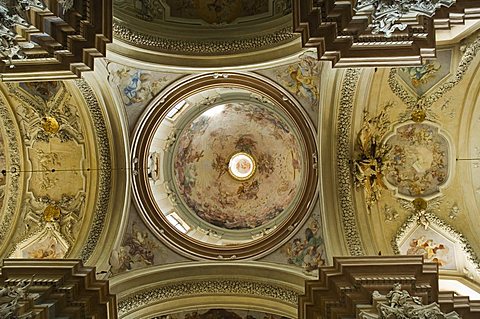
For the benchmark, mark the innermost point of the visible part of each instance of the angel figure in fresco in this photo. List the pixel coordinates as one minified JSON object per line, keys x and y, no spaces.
{"x":301,"y":78}
{"x":308,"y":253}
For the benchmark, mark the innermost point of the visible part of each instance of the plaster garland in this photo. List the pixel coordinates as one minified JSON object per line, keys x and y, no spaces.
{"x":105,"y":174}
{"x":345,"y":192}
{"x":14,"y":160}
{"x":124,"y":33}
{"x":191,"y":288}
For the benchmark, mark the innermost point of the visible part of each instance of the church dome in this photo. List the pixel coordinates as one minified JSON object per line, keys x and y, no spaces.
{"x":238,"y":165}
{"x":223,"y":166}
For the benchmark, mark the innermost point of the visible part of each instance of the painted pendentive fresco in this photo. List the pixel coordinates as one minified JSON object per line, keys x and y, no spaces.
{"x":138,"y":250}
{"x":302,"y":78}
{"x":201,"y":158}
{"x":136,"y":87}
{"x":307,"y":249}
{"x":222,"y":314}
{"x":422,"y":78}
{"x":419,"y":160}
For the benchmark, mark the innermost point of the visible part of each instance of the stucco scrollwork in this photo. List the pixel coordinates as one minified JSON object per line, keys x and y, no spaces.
{"x":13,"y":155}
{"x":45,"y":112}
{"x":371,"y":161}
{"x":10,"y":296}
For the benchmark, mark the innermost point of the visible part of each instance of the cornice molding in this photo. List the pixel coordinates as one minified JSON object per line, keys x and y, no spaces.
{"x":348,"y":38}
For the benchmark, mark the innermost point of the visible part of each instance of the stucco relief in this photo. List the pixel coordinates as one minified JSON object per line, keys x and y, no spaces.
{"x":201,"y":158}
{"x":419,"y":160}
{"x":50,"y":226}
{"x":57,"y":168}
{"x":3,"y":166}
{"x":45,"y":111}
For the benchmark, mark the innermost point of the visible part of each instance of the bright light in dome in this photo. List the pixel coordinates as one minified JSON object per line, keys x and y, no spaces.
{"x":214,"y":111}
{"x":459,"y":288}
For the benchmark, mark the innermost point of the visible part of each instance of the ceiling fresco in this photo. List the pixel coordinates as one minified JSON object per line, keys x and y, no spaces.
{"x":418,"y":160}
{"x":201,"y":158}
{"x":281,"y":165}
{"x":422,"y":78}
{"x":216,"y":11}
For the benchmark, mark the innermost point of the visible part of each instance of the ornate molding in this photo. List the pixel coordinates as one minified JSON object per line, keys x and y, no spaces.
{"x":215,"y":287}
{"x":63,"y":40}
{"x":126,"y":34}
{"x":12,"y":188}
{"x":398,"y":303}
{"x":105,"y":169}
{"x":351,"y":281}
{"x":345,"y":192}
{"x":60,"y":288}
{"x":344,"y":36}
{"x":387,"y":15}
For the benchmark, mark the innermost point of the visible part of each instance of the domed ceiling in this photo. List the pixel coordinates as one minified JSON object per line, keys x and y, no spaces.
{"x":226,"y":165}
{"x":210,"y":142}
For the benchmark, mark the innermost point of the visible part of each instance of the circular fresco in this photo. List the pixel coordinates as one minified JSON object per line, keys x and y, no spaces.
{"x":237,"y":165}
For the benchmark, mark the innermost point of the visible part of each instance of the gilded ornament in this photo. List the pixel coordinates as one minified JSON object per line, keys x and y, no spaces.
{"x":419,"y":204}
{"x":372,"y":156}
{"x":51,"y":213}
{"x":241,"y":166}
{"x":418,"y":116}
{"x":50,"y":125}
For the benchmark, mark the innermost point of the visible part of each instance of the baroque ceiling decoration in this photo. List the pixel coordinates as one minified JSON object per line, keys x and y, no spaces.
{"x":379,"y":287}
{"x":53,"y":289}
{"x":203,"y":29}
{"x":65,"y":168}
{"x":376,"y":33}
{"x":425,"y":234}
{"x":56,"y":39}
{"x":192,"y":138}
